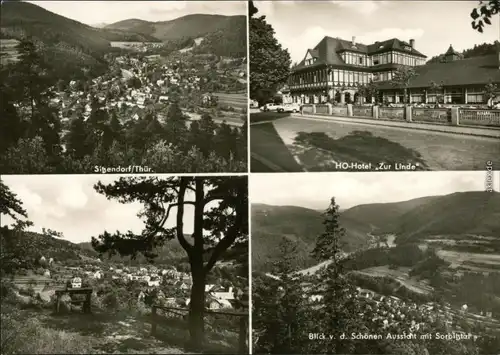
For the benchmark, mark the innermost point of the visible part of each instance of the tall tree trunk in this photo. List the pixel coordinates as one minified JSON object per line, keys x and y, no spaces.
{"x":197,"y":307}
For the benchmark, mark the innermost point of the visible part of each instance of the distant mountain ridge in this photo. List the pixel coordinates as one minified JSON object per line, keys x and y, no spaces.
{"x":195,"y":25}
{"x":71,"y":47}
{"x":455,"y":214}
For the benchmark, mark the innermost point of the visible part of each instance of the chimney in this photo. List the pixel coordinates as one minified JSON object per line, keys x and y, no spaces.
{"x":412,"y":43}
{"x":353,"y":40}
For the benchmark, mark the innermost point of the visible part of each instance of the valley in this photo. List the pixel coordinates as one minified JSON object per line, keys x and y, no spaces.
{"x":409,"y":269}
{"x":112,"y":87}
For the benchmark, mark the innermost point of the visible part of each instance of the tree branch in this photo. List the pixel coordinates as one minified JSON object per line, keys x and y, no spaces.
{"x":221,"y":247}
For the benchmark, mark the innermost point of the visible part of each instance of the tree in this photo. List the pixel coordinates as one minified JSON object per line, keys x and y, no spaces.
{"x":13,"y":249}
{"x":402,"y":79}
{"x":12,"y":127}
{"x":28,"y":156}
{"x":269,"y":62}
{"x":437,"y":89}
{"x":369,"y":90}
{"x":76,"y":139}
{"x":482,"y":14}
{"x":491,"y":91}
{"x":220,"y":221}
{"x":340,"y":308}
{"x":280,"y":312}
{"x":175,"y":128}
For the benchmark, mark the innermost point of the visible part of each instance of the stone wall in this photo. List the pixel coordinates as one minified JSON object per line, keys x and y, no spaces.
{"x":362,"y":111}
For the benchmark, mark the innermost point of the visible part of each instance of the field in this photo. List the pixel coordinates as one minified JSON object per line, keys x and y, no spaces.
{"x":129,"y":44}
{"x":8,"y":51}
{"x":238,"y":100}
{"x":400,"y":275}
{"x":471,"y":261}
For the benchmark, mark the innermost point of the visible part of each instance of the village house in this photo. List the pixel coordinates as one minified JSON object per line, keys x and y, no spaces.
{"x":76,"y":282}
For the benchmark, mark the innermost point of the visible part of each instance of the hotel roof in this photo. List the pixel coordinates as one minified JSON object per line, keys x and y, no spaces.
{"x":328,"y":50}
{"x":470,"y":71}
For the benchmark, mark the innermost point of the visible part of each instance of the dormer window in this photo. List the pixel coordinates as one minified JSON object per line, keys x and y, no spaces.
{"x":309,"y":59}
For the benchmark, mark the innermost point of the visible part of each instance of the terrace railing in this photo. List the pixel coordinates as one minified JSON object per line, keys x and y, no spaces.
{"x":454,"y":116}
{"x":480,"y":117}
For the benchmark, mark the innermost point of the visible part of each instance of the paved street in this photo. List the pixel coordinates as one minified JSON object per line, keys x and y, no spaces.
{"x":285,"y":140}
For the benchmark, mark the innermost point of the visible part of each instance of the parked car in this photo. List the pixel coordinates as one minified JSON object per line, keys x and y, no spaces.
{"x":270,"y":107}
{"x":289,"y":108}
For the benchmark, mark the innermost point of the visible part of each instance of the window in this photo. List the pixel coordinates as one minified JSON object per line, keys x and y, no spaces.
{"x":475,"y":99}
{"x":336,"y":76}
{"x":361,"y":60}
{"x":416,"y":98}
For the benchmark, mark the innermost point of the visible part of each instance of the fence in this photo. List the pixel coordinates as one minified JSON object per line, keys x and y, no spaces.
{"x":240,"y":317}
{"x":454,"y":116}
{"x":480,"y":117}
{"x":436,"y":115}
{"x":392,"y":113}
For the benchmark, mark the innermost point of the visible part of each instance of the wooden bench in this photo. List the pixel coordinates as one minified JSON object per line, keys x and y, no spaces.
{"x":75,"y":291}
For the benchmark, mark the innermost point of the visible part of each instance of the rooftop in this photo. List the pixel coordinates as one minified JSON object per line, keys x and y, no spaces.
{"x":470,"y":71}
{"x":328,"y":50}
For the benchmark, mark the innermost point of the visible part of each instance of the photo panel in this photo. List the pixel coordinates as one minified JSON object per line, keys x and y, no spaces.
{"x":123,"y":87}
{"x":375,"y":263}
{"x":125,"y":263}
{"x":373,"y":86}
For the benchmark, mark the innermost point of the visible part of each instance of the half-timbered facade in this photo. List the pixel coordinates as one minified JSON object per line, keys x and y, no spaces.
{"x":335,"y":68}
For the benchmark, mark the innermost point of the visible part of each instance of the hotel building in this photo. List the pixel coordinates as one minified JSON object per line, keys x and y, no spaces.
{"x":335,"y":68}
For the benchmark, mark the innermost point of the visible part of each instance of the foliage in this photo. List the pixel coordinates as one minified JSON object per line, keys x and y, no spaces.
{"x":22,"y":335}
{"x":269,"y":62}
{"x":491,"y":90}
{"x":478,"y":50}
{"x":437,"y":89}
{"x":402,"y":79}
{"x":369,"y":90}
{"x":279,"y":309}
{"x":482,"y":14}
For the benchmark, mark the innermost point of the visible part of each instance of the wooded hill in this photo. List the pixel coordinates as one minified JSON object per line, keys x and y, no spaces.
{"x":459,"y":214}
{"x":222,"y":35}
{"x":478,"y":51}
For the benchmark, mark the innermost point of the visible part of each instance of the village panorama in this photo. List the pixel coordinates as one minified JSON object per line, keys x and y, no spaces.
{"x":86,"y":289}
{"x":156,"y":94}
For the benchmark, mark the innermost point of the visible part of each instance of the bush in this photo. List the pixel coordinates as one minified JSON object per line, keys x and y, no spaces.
{"x":28,"y":336}
{"x":111,"y":301}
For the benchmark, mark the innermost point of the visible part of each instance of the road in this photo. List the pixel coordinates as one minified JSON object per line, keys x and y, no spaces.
{"x":275,"y":141}
{"x":232,"y":121}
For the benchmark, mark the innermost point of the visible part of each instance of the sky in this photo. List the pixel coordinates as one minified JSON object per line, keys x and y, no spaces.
{"x":107,"y":12}
{"x":314,"y":190}
{"x":434,"y":25}
{"x":70,"y":205}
